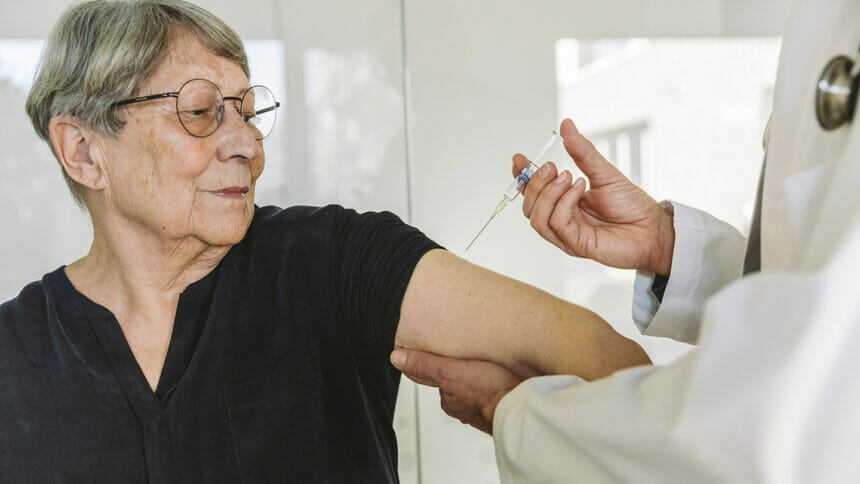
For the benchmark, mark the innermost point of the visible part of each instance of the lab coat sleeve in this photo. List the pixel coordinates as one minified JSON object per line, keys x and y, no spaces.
{"x":770,"y":395}
{"x":708,"y":255}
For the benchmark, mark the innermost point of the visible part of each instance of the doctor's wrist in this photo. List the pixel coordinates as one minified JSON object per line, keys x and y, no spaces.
{"x":661,"y":263}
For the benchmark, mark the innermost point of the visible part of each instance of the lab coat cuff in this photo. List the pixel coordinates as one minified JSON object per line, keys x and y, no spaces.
{"x":645,"y":302}
{"x":708,"y":255}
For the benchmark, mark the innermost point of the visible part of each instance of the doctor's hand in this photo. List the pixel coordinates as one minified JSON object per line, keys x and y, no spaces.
{"x":614,"y":222}
{"x":470,"y":390}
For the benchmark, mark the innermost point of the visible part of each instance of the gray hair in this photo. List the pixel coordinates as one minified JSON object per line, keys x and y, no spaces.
{"x":103,"y":51}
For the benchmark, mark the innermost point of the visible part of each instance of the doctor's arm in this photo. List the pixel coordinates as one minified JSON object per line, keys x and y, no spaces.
{"x":764,"y":398}
{"x":454,"y":308}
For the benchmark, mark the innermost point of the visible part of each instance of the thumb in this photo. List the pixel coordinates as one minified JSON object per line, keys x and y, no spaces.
{"x":419,"y":366}
{"x":598,"y":170}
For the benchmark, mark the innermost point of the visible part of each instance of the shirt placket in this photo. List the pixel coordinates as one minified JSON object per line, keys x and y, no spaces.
{"x":157,"y":445}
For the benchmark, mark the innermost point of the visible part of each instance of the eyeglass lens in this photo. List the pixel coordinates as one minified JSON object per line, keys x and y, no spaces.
{"x":200,"y":107}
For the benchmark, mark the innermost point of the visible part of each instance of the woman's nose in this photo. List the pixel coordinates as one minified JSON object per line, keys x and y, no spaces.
{"x":238,"y":139}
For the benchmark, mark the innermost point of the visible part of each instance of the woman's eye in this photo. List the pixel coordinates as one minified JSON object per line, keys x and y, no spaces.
{"x":198,"y":111}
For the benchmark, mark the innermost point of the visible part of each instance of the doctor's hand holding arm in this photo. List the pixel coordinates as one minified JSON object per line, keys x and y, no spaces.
{"x":469,"y":390}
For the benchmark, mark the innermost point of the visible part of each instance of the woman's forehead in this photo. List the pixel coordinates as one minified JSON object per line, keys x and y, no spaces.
{"x":188,"y":59}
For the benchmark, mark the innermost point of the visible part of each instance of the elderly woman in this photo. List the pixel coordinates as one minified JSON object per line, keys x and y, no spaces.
{"x":204,"y":339}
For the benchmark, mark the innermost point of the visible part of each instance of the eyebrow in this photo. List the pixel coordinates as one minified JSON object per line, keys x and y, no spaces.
{"x":239,"y":92}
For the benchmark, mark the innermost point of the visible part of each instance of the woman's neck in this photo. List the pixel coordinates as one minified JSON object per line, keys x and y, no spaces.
{"x":129,"y":270}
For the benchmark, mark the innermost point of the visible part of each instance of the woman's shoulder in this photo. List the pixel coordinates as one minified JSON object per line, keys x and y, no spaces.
{"x":289,"y":233}
{"x":302,"y":222}
{"x":31,"y":299}
{"x":278,"y":226}
{"x":310,"y":217}
{"x":271,"y":217}
{"x":24,"y":314}
{"x":307,"y":231}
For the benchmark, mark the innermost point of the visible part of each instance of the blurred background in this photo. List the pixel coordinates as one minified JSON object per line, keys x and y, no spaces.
{"x":416,"y":106}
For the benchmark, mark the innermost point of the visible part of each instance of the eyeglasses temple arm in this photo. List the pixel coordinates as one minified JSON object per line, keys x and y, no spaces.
{"x":270,"y":108}
{"x":144,"y":98}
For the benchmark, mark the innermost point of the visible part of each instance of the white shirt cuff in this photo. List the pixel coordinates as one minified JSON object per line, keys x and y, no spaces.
{"x":645,"y":303}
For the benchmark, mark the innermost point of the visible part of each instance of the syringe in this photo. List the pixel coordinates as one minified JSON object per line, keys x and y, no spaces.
{"x":519,"y":183}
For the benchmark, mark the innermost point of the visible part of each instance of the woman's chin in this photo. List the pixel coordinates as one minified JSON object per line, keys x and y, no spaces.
{"x":227,"y":230}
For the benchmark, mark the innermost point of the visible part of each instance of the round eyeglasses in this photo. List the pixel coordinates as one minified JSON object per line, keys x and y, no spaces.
{"x":200,"y":107}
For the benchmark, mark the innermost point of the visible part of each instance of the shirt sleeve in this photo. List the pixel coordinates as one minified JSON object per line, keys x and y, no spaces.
{"x":768,"y":396}
{"x":708,"y":256}
{"x":374,"y":255}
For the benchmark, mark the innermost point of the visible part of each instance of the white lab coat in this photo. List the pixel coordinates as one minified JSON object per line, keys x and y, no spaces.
{"x":772,"y":393}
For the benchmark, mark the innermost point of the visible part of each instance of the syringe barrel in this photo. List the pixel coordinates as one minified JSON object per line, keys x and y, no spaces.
{"x":520,"y":181}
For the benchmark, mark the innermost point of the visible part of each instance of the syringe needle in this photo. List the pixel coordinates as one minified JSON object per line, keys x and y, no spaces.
{"x":481,"y":231}
{"x":516,"y":187}
{"x":501,"y":206}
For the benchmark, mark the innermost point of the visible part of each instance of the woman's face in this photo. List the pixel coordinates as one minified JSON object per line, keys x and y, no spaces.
{"x":171,"y":184}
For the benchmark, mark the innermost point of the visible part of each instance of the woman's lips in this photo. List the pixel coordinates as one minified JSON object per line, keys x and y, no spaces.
{"x":232,"y":192}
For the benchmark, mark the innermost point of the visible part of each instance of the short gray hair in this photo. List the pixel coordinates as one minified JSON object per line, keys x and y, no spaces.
{"x":103,"y":51}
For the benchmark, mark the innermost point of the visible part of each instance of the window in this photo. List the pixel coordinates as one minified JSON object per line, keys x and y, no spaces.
{"x":684,"y":119}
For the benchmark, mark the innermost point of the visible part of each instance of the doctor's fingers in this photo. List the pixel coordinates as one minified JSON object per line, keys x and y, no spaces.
{"x":536,"y":184}
{"x":593,"y":165}
{"x":422,"y":381}
{"x":467,"y":412}
{"x":424,"y":368}
{"x":546,"y":204}
{"x":519,"y":162}
{"x":561,"y":221}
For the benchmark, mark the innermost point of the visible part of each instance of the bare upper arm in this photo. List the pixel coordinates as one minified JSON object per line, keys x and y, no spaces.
{"x":455,"y":308}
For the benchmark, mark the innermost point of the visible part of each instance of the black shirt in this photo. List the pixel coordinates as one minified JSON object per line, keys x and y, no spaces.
{"x":277,"y":369}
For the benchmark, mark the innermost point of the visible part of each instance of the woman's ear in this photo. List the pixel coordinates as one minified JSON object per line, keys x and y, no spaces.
{"x":73,"y":144}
